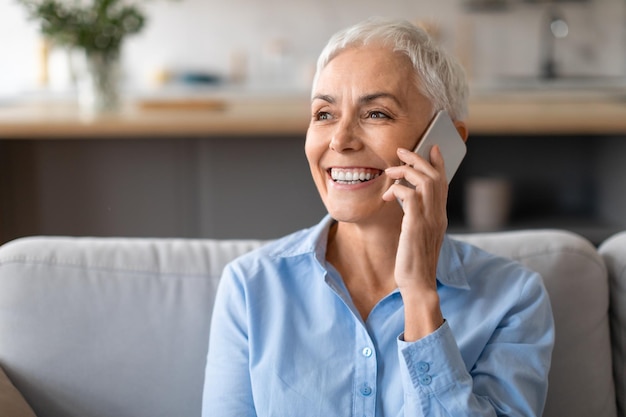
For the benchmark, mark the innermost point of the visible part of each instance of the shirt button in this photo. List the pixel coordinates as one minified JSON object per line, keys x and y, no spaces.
{"x":423,"y":367}
{"x":367,"y":352}
{"x":425,"y":379}
{"x":366,"y":390}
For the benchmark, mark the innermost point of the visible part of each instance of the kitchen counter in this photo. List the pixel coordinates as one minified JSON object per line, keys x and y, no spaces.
{"x":256,"y":115}
{"x":554,"y":113}
{"x":157,"y":118}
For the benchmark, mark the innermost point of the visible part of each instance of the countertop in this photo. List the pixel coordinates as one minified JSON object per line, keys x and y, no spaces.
{"x":494,"y":113}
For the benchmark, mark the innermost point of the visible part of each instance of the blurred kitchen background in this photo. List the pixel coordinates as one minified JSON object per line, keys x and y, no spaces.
{"x":208,"y":142}
{"x":275,"y":43}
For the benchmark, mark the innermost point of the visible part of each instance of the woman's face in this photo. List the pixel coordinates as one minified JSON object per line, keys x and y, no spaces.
{"x":365,"y":106}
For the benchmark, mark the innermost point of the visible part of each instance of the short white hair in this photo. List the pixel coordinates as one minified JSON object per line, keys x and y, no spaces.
{"x":442,"y":78}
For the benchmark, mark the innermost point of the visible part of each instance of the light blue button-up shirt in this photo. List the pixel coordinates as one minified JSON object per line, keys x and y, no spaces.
{"x":286,"y":340}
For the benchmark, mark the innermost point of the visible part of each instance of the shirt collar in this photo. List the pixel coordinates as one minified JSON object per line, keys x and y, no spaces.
{"x":311,"y":240}
{"x":450,"y":271}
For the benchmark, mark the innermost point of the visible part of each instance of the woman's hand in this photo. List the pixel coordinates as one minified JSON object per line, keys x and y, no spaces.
{"x":423,"y":228}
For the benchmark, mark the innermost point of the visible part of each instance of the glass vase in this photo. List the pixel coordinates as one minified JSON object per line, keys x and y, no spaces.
{"x":98,"y":82}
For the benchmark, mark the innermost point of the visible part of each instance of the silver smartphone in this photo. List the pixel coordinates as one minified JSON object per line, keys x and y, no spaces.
{"x":441,"y":131}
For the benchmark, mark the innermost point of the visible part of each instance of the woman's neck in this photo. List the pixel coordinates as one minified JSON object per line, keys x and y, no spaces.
{"x":365,"y":257}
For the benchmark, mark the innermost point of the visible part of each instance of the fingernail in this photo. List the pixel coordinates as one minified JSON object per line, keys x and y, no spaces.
{"x":402,"y":150}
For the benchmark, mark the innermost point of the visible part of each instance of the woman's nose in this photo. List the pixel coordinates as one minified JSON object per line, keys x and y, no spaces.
{"x":345,"y":137}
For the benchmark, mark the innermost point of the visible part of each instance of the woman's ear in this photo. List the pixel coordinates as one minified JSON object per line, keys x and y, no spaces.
{"x":461,"y":127}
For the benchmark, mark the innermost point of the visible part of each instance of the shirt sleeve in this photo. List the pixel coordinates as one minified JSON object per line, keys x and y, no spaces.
{"x":509,"y":378}
{"x":227,"y":387}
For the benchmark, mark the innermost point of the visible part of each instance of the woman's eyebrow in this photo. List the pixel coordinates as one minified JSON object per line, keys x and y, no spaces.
{"x":374,"y":96}
{"x":324,"y":97}
{"x":367,"y":98}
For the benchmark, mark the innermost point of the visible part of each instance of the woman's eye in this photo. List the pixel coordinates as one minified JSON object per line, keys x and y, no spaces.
{"x":322,"y":115}
{"x":377,"y":115}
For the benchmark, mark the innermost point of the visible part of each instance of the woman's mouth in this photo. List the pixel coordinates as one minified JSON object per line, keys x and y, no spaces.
{"x":353,"y":175}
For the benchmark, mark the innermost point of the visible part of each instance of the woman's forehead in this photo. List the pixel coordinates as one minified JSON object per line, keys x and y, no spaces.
{"x":368,"y":68}
{"x":376,"y":62}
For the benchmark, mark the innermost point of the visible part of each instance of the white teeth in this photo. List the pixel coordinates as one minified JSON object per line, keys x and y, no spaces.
{"x":352,"y":176}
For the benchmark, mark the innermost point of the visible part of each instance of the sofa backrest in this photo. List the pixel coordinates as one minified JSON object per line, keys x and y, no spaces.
{"x":94,"y":327}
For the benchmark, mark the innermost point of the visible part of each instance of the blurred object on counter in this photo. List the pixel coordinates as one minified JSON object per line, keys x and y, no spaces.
{"x":486,"y":5}
{"x":98,"y":78}
{"x":96,"y":28}
{"x":555,"y":28}
{"x":198,"y":78}
{"x":238,"y":67}
{"x":43,"y":74}
{"x":277,"y":62}
{"x":487,"y":203}
{"x":163,"y":77}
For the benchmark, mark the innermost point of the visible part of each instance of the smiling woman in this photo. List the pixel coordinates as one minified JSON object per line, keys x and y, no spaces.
{"x":360,"y":115}
{"x":375,"y":311}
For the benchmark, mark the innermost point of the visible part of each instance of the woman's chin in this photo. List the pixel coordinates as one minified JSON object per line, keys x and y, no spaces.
{"x":365,"y":213}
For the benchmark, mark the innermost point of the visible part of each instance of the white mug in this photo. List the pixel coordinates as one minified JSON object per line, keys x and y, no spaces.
{"x":487,"y":203}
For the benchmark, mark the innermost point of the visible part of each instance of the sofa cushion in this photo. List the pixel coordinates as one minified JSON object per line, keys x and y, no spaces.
{"x":12,"y":404}
{"x":109,"y":327}
{"x":613,"y":251}
{"x":580,"y":381}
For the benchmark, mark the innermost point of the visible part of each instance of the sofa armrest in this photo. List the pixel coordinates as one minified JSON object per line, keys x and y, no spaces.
{"x":613,"y":250}
{"x":12,"y":403}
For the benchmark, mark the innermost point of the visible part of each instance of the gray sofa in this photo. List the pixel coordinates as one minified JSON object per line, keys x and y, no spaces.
{"x":95,"y":327}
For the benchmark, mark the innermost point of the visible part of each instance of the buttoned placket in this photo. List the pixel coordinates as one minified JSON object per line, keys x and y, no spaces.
{"x":365,"y":360}
{"x":366,"y":368}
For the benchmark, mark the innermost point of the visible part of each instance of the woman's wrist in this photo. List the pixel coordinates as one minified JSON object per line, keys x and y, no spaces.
{"x":422,"y":315}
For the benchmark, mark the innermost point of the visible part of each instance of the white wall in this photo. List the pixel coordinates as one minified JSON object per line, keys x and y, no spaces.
{"x":205,"y":34}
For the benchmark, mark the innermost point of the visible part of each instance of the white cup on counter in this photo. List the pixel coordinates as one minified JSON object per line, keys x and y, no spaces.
{"x":487,"y":203}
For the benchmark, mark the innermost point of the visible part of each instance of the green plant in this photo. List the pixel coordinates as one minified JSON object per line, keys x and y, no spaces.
{"x":96,"y":26}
